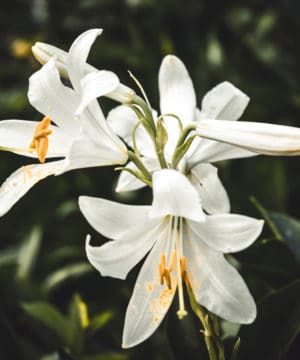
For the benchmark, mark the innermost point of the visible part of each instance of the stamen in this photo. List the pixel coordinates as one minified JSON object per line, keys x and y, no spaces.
{"x":181,"y":313}
{"x":40,"y":142}
{"x":184,"y":271}
{"x":161,"y":268}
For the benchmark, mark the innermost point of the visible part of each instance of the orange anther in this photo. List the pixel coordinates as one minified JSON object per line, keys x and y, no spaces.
{"x":40,"y":142}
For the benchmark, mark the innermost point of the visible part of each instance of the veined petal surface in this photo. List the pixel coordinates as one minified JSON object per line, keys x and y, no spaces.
{"x":116,"y":258}
{"x":49,"y":96}
{"x":212,"y":192}
{"x":228,"y":232}
{"x":150,"y":300}
{"x":216,"y":284}
{"x":78,"y":54}
{"x":96,"y":84}
{"x":22,"y":180}
{"x":110,"y":218}
{"x":224,"y":101}
{"x":173,"y":194}
{"x":262,"y":138}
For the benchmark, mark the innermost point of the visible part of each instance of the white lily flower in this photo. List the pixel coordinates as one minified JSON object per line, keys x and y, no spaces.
{"x":81,"y":134}
{"x":183,"y":245}
{"x":177,"y":96}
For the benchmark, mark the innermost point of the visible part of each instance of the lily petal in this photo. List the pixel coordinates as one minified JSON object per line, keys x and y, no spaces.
{"x":123,"y":120}
{"x":262,"y":138}
{"x":85,"y":153}
{"x":116,"y":258}
{"x":224,"y":101}
{"x":212,"y":192}
{"x":49,"y":96}
{"x":128,"y":182}
{"x":150,"y":300}
{"x":173,"y":194}
{"x":228,"y":233}
{"x":216,"y":284}
{"x":77,"y":56}
{"x":96,"y":84}
{"x":110,"y":218}
{"x":177,"y":94}
{"x":16,"y":136}
{"x":22,"y":180}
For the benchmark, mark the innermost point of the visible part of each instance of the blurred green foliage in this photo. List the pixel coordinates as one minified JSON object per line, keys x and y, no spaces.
{"x":53,"y":305}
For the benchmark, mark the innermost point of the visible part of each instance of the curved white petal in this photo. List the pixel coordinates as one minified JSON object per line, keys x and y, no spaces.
{"x":228,"y":232}
{"x":85,"y":153}
{"x":49,"y":96}
{"x":262,"y":138}
{"x":213,"y":151}
{"x":22,"y":180}
{"x":173,"y":194}
{"x":150,"y":301}
{"x":216,"y":284}
{"x":96,"y":84}
{"x":116,"y":258}
{"x":110,"y":218}
{"x":177,"y":94}
{"x":212,"y":192}
{"x":224,"y":101}
{"x":128,"y":182}
{"x":77,"y":56}
{"x":16,"y":136}
{"x":123,"y":120}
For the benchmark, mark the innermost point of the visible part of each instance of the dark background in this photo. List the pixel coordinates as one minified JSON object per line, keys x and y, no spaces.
{"x":44,"y":276}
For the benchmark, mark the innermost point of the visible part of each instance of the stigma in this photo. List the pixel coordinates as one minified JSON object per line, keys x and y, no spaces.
{"x":40,"y":141}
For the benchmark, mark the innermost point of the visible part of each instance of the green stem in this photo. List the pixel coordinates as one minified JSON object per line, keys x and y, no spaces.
{"x":210,"y":325}
{"x":135,"y":159}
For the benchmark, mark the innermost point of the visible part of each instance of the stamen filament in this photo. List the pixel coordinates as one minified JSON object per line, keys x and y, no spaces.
{"x":181,"y":313}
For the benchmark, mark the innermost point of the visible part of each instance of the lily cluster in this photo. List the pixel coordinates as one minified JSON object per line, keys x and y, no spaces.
{"x":188,"y":228}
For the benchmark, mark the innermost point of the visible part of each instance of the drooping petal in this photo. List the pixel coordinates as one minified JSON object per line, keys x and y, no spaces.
{"x":110,"y":218}
{"x":85,"y":153}
{"x":128,"y":182}
{"x":173,"y":194}
{"x":216,"y":284}
{"x":116,"y":258}
{"x":123,"y":120}
{"x":22,"y":180}
{"x":228,"y":233}
{"x":16,"y":136}
{"x":224,"y":101}
{"x":96,"y":84}
{"x":261,"y":138}
{"x":49,"y":96}
{"x":77,"y":56}
{"x":150,"y":300}
{"x":177,"y":94}
{"x":212,"y":192}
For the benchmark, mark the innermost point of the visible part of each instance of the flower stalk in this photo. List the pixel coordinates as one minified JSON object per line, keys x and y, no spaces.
{"x":211,"y":331}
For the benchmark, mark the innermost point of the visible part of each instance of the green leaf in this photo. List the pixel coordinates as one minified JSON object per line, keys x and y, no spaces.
{"x":28,"y":252}
{"x":99,"y":321}
{"x":70,"y":271}
{"x":276,"y":326}
{"x":78,"y":320}
{"x":290,"y":230}
{"x":50,"y":317}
